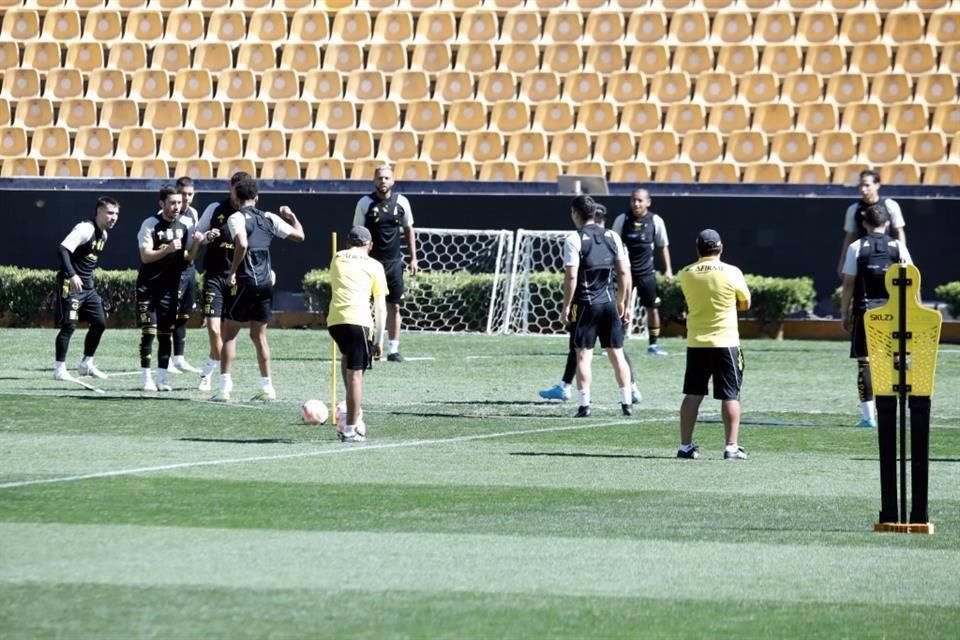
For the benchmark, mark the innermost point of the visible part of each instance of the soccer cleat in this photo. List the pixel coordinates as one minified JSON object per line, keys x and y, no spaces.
{"x":185,"y":367}
{"x":656,"y":350}
{"x":205,"y":383}
{"x":582,"y":412}
{"x":635,"y":395}
{"x":867,"y":423}
{"x":691,"y":454}
{"x":556,"y":392}
{"x":739,"y":454}
{"x":222,"y":395}
{"x":89,"y":369}
{"x":163,"y":386}
{"x":395,"y":357}
{"x":63,"y":375}
{"x":626,"y":409}
{"x":353,"y":437}
{"x":149,"y":385}
{"x":172,"y":369}
{"x":266,"y":393}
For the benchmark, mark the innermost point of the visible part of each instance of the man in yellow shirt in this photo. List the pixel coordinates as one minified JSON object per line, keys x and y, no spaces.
{"x":714,"y":292}
{"x":355,"y":278}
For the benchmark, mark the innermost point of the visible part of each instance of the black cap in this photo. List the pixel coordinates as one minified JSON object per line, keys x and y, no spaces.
{"x":359,"y":235}
{"x":708,"y":240}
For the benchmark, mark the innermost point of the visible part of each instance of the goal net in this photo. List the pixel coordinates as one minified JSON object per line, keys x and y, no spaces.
{"x":462,"y":280}
{"x":535,"y":292}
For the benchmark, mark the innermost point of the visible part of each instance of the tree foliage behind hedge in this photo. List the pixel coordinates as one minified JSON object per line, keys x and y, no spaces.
{"x":950,"y":294}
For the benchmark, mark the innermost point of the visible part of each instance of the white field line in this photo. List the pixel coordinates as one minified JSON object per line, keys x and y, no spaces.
{"x":343,"y":449}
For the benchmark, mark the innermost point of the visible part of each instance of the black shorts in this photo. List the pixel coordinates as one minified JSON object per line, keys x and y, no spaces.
{"x":73,"y":307}
{"x":157,"y":306}
{"x":214,"y":291}
{"x":592,"y":321}
{"x":354,"y":343}
{"x":394,"y":272}
{"x":246,"y":302}
{"x":646,"y":286}
{"x":187,"y":295}
{"x":723,"y":364}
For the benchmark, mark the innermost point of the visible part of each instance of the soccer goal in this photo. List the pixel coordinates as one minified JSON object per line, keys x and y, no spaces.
{"x":462,"y":281}
{"x":535,"y":292}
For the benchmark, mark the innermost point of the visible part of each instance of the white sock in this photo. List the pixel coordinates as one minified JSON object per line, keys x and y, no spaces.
{"x":732,"y":447}
{"x":625,"y":395}
{"x":265,"y":382}
{"x":868,"y":409}
{"x":634,"y":387}
{"x":226,"y":382}
{"x":161,"y":376}
{"x":686,"y":447}
{"x":178,"y":360}
{"x":59,"y":366}
{"x":146,"y":374}
{"x":393,"y":346}
{"x":584,"y":397}
{"x":86,"y":360}
{"x":564,"y":385}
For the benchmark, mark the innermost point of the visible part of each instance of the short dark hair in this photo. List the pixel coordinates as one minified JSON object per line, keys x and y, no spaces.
{"x":184,"y":181}
{"x":168,"y":190}
{"x":599,"y":213}
{"x":246,"y":189}
{"x":875,"y":216}
{"x":584,"y":205}
{"x":238,"y":176}
{"x":870,"y":173}
{"x":103,"y":201}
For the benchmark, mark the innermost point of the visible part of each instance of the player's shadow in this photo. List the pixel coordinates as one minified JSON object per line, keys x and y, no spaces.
{"x":564,"y":454}
{"x":240,"y":440}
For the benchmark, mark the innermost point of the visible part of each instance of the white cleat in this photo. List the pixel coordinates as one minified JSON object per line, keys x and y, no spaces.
{"x":64,"y":376}
{"x":185,"y":367}
{"x":265,"y":394}
{"x":163,"y":386}
{"x":150,"y":385}
{"x":221,"y":396}
{"x":89,"y":369}
{"x":205,"y":383}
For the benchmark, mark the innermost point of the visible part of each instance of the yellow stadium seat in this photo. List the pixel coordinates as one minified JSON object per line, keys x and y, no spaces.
{"x":119,"y":113}
{"x":734,"y":27}
{"x":604,"y":26}
{"x":862,"y":117}
{"x":414,"y":170}
{"x":947,"y":174}
{"x":891,"y":88}
{"x":196,"y":168}
{"x":677,"y":171}
{"x":871,"y":58}
{"x":758,"y":88}
{"x":366,"y":5}
{"x":774,"y":26}
{"x":461,"y":6}
{"x":170,"y":56}
{"x":946,"y":118}
{"x":352,"y":146}
{"x":718,"y":173}
{"x":689,"y":26}
{"x":418,"y":6}
{"x":226,"y":25}
{"x":439,"y":147}
{"x":456,"y":170}
{"x":540,"y":86}
{"x":808,"y":173}
{"x":365,"y":85}
{"x":860,"y":26}
{"x":483,"y":146}
{"x":550,"y":117}
{"x":160,"y":114}
{"x":545,"y":171}
{"x":646,"y":27}
{"x":13,"y":142}
{"x":701,"y":147}
{"x":727,"y":118}
{"x":715,"y":87}
{"x":738,"y":59}
{"x":817,"y":26}
{"x":915,"y":58}
{"x":568,"y":146}
{"x":9,"y":56}
{"x":495,"y":86}
{"x":256,"y":56}
{"x":843,"y":6}
{"x":436,"y":25}
{"x":499,"y":171}
{"x":309,"y":25}
{"x":693,"y":59}
{"x":62,"y":167}
{"x":351,"y":25}
{"x":179,"y":144}
{"x":215,"y":57}
{"x":267,"y":26}
{"x":478,"y":25}
{"x":108,"y":168}
{"x":658,"y":146}
{"x":954,"y":149}
{"x":185,"y":25}
{"x":848,"y":173}
{"x":324,"y":169}
{"x":816,"y":117}
{"x":903,"y":26}
{"x":209,"y":6}
{"x":519,"y":58}
{"x":103,"y":25}
{"x":477,"y":57}
{"x":583,"y":86}
{"x":773,"y":117}
{"x":85,"y":56}
{"x":826,"y":58}
{"x":248,"y":115}
{"x":640,"y":117}
{"x":434,"y":59}
{"x":781,"y":59}
{"x":40,"y":55}
{"x":605,"y":58}
{"x":230,"y":166}
{"x":301,"y":57}
{"x":388,"y":57}
{"x":670,"y":86}
{"x":222,"y":144}
{"x":378,"y":116}
{"x":398,"y":145}
{"x":20,"y":25}
{"x":596,"y":117}
{"x":252,"y":7}
{"x":943,"y":27}
{"x":336,"y":115}
{"x":408,"y":86}
{"x":393,"y":25}
{"x":764,"y":173}
{"x":292,"y":115}
{"x":950,"y":58}
{"x":746,"y":147}
{"x":936,"y":88}
{"x":900,"y":173}
{"x":835,"y":147}
{"x":134,"y":143}
{"x":74,"y":113}
{"x":521,"y":25}
{"x":585,"y":168}
{"x":650,"y":58}
{"x":925,"y":147}
{"x":454,"y":85}
{"x":68,"y":83}
{"x":527,"y":146}
{"x":906,"y":118}
{"x":145,"y":26}
{"x":562,"y":57}
{"x":802,"y":88}
{"x":33,"y":113}
{"x":791,"y":147}
{"x":423,"y":115}
{"x":232,"y":84}
{"x":625,"y":87}
{"x":614,"y":147}
{"x":322,"y":85}
{"x":563,"y":26}
{"x":309,"y":146}
{"x":683,"y":117}
{"x":280,"y":169}
{"x":265,"y":144}
{"x":506,"y":116}
{"x":928,"y":6}
{"x":128,"y":57}
{"x":630,"y":171}
{"x":279,"y":84}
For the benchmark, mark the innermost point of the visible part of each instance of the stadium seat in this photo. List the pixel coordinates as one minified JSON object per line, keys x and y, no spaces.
{"x":613,"y":147}
{"x":108,"y":168}
{"x":309,"y":25}
{"x":185,"y":25}
{"x":604,"y":26}
{"x":364,"y":168}
{"x":179,"y":144}
{"x":947,"y":174}
{"x":74,"y":113}
{"x":215,"y":57}
{"x":546,"y":171}
{"x":858,"y":26}
{"x":144,"y":26}
{"x":625,"y":88}
{"x":40,"y":55}
{"x":437,"y":25}
{"x":229,"y":166}
{"x":456,"y":170}
{"x":292,"y":115}
{"x":693,"y":59}
{"x":454,"y":85}
{"x":325,"y":169}
{"x":678,"y":172}
{"x":62,"y":84}
{"x":585,"y":168}
{"x":925,"y":147}
{"x":423,"y":115}
{"x":134,"y":143}
{"x":943,"y":27}
{"x":499,"y":171}
{"x":20,"y":25}
{"x":103,"y":25}
{"x":320,"y":85}
{"x":746,"y":147}
{"x":170,"y":56}
{"x":433,"y":59}
{"x":781,"y":59}
{"x":279,"y":84}
{"x":416,"y":6}
{"x":808,"y":173}
{"x":33,"y":113}
{"x":701,"y":147}
{"x":640,"y":117}
{"x":476,"y":57}
{"x":197,"y":84}
{"x":907,"y":117}
{"x":392,"y":25}
{"x":363,"y":86}
{"x":519,"y":58}
{"x":774,"y":26}
{"x":351,"y":25}
{"x":862,"y":117}
{"x":716,"y":87}
{"x":737,"y":59}
{"x":222,"y":144}
{"x":646,"y":27}
{"x":936,"y":88}
{"x":248,"y":115}
{"x":596,"y":117}
{"x":160,"y":114}
{"x":871,"y":58}
{"x":605,"y":58}
{"x":483,"y":146}
{"x":791,"y":147}
{"x":826,"y":59}
{"x":718,"y":173}
{"x":817,"y":26}
{"x":387,"y":57}
{"x":689,"y":26}
{"x":732,"y":27}
{"x":946,"y":118}
{"x":521,"y":25}
{"x":494,"y":86}
{"x":265,"y":144}
{"x":835,"y":147}
{"x":336,"y":115}
{"x":50,"y":142}
{"x":670,"y":86}
{"x":891,"y":88}
{"x":562,"y":25}
{"x":764,"y":173}
{"x":759,"y":87}
{"x":308,"y":146}
{"x":527,"y":146}
{"x":9,"y":56}
{"x":903,"y":26}
{"x":649,"y":58}
{"x":583,"y":86}
{"x":631,"y":171}
{"x":954,"y":155}
{"x":567,"y":147}
{"x":300,"y":57}
{"x":13,"y":142}
{"x":118,"y":113}
{"x":848,"y":173}
{"x":727,"y":118}
{"x":843,"y":6}
{"x":802,"y":88}
{"x":900,"y":173}
{"x":478,"y":25}
{"x":916,"y":58}
{"x":252,"y":7}
{"x":378,"y":116}
{"x":412,"y":169}
{"x":439,"y":147}
{"x":267,"y":26}
{"x":196,"y":168}
{"x":5,"y":114}
{"x":773,"y":117}
{"x":465,"y":116}
{"x":816,"y":117}
{"x":353,"y":145}
{"x":682,"y":117}
{"x":63,"y":167}
{"x":562,"y":57}
{"x":950,"y":58}
{"x":658,"y":146}
{"x":409,"y":86}
{"x":550,"y":117}
{"x":256,"y":56}
{"x":540,"y":86}
{"x":209,"y":6}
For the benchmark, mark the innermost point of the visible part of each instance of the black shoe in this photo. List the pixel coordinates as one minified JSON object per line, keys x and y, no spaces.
{"x":739,"y":454}
{"x":395,"y":357}
{"x":627,"y":409}
{"x":582,"y":412}
{"x":690,"y":455}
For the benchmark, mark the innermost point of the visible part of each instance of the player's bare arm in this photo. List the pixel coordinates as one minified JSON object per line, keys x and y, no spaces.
{"x":625,"y":280}
{"x":288,"y":216}
{"x":667,"y":266}
{"x":148,"y":256}
{"x":847,"y":239}
{"x":240,"y":245}
{"x":569,"y":286}
{"x":846,"y":301}
{"x":412,"y":248}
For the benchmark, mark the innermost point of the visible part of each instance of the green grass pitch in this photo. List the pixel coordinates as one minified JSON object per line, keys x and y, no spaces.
{"x":475,"y":510}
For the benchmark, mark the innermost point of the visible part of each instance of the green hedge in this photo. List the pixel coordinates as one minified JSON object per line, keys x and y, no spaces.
{"x":950,"y":293}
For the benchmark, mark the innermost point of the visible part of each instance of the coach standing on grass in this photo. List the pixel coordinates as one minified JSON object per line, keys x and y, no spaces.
{"x":385,"y":213}
{"x":714,"y":292}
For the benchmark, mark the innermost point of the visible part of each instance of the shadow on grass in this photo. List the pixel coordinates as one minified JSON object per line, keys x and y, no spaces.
{"x":563,"y":454}
{"x":240,"y":440}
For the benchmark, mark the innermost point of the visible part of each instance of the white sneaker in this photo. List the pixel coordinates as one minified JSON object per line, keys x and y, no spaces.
{"x":149,"y":385}
{"x":222,"y":395}
{"x":63,"y":375}
{"x":185,"y":367}
{"x":205,"y":383}
{"x":172,"y":369}
{"x":266,"y":393}
{"x":89,"y":369}
{"x":163,"y":386}
{"x":353,"y":437}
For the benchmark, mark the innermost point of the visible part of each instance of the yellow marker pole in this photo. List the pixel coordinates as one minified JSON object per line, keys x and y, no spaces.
{"x":333,"y":345}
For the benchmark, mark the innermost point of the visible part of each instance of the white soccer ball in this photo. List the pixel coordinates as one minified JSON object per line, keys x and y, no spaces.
{"x":341,"y":417}
{"x":314,"y":412}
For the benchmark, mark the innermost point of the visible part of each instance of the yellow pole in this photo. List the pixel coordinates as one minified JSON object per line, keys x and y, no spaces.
{"x":333,"y":346}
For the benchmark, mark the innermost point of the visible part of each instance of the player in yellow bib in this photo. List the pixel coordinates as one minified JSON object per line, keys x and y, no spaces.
{"x":355,"y":278}
{"x":714,"y":292}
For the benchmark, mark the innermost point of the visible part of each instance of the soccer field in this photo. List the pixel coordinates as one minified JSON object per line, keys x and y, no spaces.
{"x":475,"y":510}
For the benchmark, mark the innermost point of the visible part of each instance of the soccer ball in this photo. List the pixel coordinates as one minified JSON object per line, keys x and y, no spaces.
{"x":341,"y":417}
{"x":314,"y":412}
